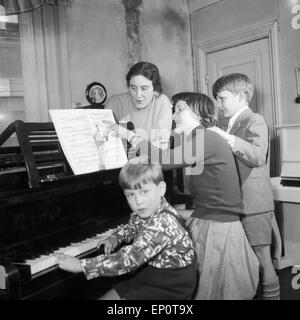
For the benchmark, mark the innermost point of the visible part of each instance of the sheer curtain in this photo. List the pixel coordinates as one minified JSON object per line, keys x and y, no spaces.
{"x":44,"y":61}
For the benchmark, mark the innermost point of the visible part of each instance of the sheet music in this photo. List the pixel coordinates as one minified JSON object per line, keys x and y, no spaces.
{"x":76,"y":130}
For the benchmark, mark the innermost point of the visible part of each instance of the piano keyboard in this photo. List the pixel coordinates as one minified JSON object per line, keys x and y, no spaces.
{"x":44,"y":262}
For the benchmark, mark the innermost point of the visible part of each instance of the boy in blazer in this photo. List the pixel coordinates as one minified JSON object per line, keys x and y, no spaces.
{"x":248,"y":137}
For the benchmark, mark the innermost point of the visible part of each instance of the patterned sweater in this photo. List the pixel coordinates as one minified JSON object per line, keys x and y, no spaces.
{"x":160,"y":240}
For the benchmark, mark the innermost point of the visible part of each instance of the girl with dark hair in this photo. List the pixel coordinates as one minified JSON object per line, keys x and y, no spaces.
{"x":144,"y":104}
{"x":201,"y":105}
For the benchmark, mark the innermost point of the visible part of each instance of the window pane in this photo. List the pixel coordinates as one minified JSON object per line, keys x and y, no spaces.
{"x":12,"y":105}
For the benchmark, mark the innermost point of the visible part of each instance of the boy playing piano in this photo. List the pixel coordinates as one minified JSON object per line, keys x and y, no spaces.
{"x":158,"y":247}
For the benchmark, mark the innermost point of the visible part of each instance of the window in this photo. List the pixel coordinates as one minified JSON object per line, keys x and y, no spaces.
{"x":34,"y":74}
{"x":12,"y":106}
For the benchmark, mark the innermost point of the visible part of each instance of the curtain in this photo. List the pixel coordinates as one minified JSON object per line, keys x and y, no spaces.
{"x":13,"y":7}
{"x":45,"y":63}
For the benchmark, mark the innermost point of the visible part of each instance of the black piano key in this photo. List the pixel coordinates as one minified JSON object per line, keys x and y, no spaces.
{"x":47,"y":246}
{"x":101,"y":249}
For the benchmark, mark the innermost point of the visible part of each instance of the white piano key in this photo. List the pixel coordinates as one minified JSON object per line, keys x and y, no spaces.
{"x":44,"y":262}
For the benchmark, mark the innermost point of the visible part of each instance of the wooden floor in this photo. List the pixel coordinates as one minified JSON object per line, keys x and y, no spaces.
{"x":287,"y":292}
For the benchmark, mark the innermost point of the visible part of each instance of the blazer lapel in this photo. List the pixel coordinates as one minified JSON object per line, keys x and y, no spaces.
{"x":235,"y":126}
{"x":238,"y":121}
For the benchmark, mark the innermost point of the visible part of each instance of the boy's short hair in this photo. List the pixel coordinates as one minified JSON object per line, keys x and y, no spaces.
{"x":200,"y":104}
{"x":149,"y":71}
{"x":133,"y":176}
{"x":234,"y":82}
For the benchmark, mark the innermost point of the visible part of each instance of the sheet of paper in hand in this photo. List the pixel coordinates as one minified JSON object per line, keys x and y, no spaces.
{"x":80,"y":133}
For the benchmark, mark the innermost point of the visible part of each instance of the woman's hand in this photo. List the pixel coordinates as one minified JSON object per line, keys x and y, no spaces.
{"x":117,"y":129}
{"x":68,"y":263}
{"x":100,"y":138}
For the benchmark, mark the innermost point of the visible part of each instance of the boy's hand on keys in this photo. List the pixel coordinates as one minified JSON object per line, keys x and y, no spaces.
{"x":108,"y":245}
{"x":68,"y":263}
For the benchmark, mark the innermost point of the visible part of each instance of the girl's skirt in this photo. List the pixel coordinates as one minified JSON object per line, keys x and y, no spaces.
{"x":228,"y":267}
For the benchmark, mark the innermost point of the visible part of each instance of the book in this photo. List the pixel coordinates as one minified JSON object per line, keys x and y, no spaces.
{"x":78,"y":131}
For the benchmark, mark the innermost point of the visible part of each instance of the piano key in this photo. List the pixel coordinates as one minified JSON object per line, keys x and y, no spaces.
{"x":44,"y":262}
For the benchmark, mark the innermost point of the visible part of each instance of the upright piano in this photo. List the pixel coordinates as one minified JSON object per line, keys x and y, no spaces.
{"x":45,"y":208}
{"x":286,"y":192}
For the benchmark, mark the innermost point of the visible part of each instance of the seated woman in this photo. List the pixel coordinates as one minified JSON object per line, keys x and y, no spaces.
{"x":228,"y":267}
{"x":144,"y":105}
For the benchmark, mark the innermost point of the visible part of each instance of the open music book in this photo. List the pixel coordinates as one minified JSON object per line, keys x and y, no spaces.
{"x":77,"y":131}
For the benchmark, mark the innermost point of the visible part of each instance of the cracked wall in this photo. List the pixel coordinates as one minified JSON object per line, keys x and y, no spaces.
{"x":106,"y":37}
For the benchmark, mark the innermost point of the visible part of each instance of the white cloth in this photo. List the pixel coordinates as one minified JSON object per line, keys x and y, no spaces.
{"x":228,"y":267}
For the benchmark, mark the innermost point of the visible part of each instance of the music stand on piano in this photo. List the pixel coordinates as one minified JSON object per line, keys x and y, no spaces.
{"x":40,"y":149}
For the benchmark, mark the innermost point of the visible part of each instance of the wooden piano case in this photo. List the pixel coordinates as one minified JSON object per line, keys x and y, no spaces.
{"x":44,"y":206}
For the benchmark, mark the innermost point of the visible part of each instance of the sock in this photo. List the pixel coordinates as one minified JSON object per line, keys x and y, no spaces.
{"x":270,"y":290}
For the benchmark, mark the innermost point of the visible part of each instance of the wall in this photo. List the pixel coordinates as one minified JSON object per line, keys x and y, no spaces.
{"x":106,"y":37}
{"x":226,"y":16}
{"x":290,"y":59}
{"x":195,"y":5}
{"x":223,"y":17}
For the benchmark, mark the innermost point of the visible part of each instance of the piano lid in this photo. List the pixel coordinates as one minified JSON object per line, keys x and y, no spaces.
{"x":290,"y":174}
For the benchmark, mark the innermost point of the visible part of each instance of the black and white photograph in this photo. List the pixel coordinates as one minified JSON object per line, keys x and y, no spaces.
{"x":149,"y":152}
